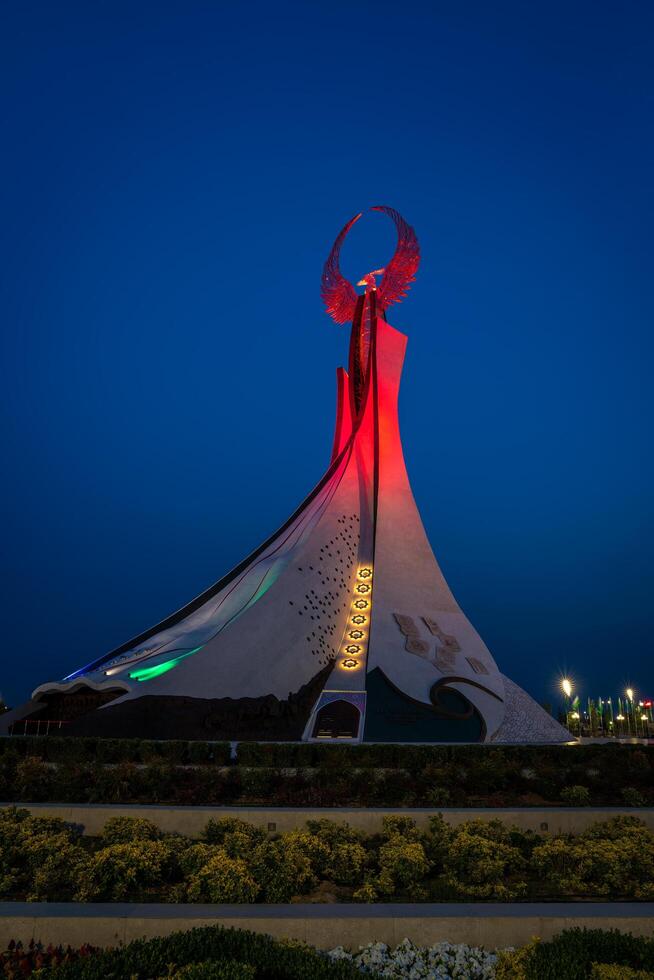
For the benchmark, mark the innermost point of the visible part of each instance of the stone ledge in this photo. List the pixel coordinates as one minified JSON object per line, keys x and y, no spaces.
{"x":190,"y":820}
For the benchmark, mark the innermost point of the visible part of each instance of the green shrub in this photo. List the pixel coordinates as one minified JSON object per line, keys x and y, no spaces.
{"x":146,"y":959}
{"x":222,"y":880}
{"x":610,"y":858}
{"x":437,"y":796}
{"x":39,"y":856}
{"x":215,"y":970}
{"x":216,"y":831}
{"x":332,"y":833}
{"x":400,"y":827}
{"x":478,"y":864}
{"x":192,"y":858}
{"x":33,"y":780}
{"x":120,"y":783}
{"x":114,"y":750}
{"x":576,"y":795}
{"x":283,"y":872}
{"x":346,"y":863}
{"x":367,"y":893}
{"x":571,"y":954}
{"x":403,"y":865}
{"x":612,"y":971}
{"x":512,"y":963}
{"x":124,"y":830}
{"x":632,"y":796}
{"x":133,"y":872}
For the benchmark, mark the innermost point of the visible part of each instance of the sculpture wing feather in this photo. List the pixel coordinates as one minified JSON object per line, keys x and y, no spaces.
{"x":339,"y":296}
{"x":401,"y":270}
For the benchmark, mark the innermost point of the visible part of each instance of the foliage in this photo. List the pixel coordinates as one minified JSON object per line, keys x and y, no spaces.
{"x":613,"y":858}
{"x":458,"y":962}
{"x":346,"y":863}
{"x":481,"y":865}
{"x":124,"y":830}
{"x":576,"y":795}
{"x":44,"y":858}
{"x":215,"y":970}
{"x":21,"y":961}
{"x":403,"y":865}
{"x":572,"y":954}
{"x":165,"y":957}
{"x":632,"y":796}
{"x":97,"y":770}
{"x":222,"y":879}
{"x":217,"y":831}
{"x":613,"y":971}
{"x":132,"y":872}
{"x":62,"y":749}
{"x":39,"y":856}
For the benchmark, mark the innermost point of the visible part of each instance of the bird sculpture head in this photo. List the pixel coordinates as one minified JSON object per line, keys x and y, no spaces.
{"x":339,"y":295}
{"x":369,"y":279}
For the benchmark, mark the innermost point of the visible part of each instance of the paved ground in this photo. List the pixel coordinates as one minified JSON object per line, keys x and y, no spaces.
{"x":329,"y":911}
{"x":323,"y":926}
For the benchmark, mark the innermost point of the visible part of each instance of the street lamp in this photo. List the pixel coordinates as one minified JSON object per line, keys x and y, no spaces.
{"x":631,"y":714}
{"x":566,"y":687}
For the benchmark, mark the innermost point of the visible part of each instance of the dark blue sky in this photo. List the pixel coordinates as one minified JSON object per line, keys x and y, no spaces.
{"x":173,"y":176}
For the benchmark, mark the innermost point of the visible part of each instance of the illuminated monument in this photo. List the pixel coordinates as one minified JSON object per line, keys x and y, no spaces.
{"x":341,"y":624}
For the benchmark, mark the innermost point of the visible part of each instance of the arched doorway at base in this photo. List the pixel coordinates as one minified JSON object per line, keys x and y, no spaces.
{"x":338,"y":719}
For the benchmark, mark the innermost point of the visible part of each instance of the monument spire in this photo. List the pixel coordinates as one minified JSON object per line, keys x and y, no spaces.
{"x":339,"y":625}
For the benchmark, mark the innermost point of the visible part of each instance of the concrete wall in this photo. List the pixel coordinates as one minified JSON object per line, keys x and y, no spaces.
{"x":191,"y":820}
{"x":323,"y":926}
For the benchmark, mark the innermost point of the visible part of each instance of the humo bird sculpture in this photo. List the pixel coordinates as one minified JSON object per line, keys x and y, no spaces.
{"x":339,"y":295}
{"x":343,"y":303}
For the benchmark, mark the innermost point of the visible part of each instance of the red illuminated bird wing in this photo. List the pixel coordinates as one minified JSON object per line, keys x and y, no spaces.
{"x":339,"y":296}
{"x":401,"y":270}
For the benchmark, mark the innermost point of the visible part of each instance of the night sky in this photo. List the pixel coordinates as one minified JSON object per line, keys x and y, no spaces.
{"x":173,"y":176}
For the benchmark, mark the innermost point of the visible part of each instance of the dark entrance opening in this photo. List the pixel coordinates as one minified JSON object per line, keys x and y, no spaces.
{"x":338,"y":719}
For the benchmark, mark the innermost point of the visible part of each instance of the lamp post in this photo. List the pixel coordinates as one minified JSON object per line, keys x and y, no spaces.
{"x":566,"y":687}
{"x":630,"y":710}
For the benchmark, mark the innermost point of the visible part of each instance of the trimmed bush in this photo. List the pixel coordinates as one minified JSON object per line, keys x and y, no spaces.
{"x":576,"y":795}
{"x":132,"y":872}
{"x":611,"y":971}
{"x":124,"y":830}
{"x":222,"y":880}
{"x":632,"y":796}
{"x":212,"y":970}
{"x":572,"y":955}
{"x":46,"y":859}
{"x":113,"y":770}
{"x":268,"y":958}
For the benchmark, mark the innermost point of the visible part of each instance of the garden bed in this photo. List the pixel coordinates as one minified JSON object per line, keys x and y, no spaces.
{"x":45,"y":859}
{"x":69,"y":770}
{"x":214,"y":953}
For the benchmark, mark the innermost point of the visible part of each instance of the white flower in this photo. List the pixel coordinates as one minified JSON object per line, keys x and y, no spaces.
{"x":442,"y":961}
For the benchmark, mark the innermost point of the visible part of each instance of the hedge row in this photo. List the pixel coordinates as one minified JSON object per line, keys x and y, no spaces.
{"x":484,"y":777}
{"x":287,"y":755}
{"x":57,"y":749}
{"x":580,"y":954}
{"x":215,"y":953}
{"x":208,"y":953}
{"x":45,"y":859}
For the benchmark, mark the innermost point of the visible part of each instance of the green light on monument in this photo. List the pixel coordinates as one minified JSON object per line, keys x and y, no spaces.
{"x":147,"y":673}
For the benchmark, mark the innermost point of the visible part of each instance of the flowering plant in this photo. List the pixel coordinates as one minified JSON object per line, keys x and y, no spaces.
{"x":442,"y":961}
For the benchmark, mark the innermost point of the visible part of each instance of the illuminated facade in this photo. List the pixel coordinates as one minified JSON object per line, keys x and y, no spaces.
{"x":341,"y":624}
